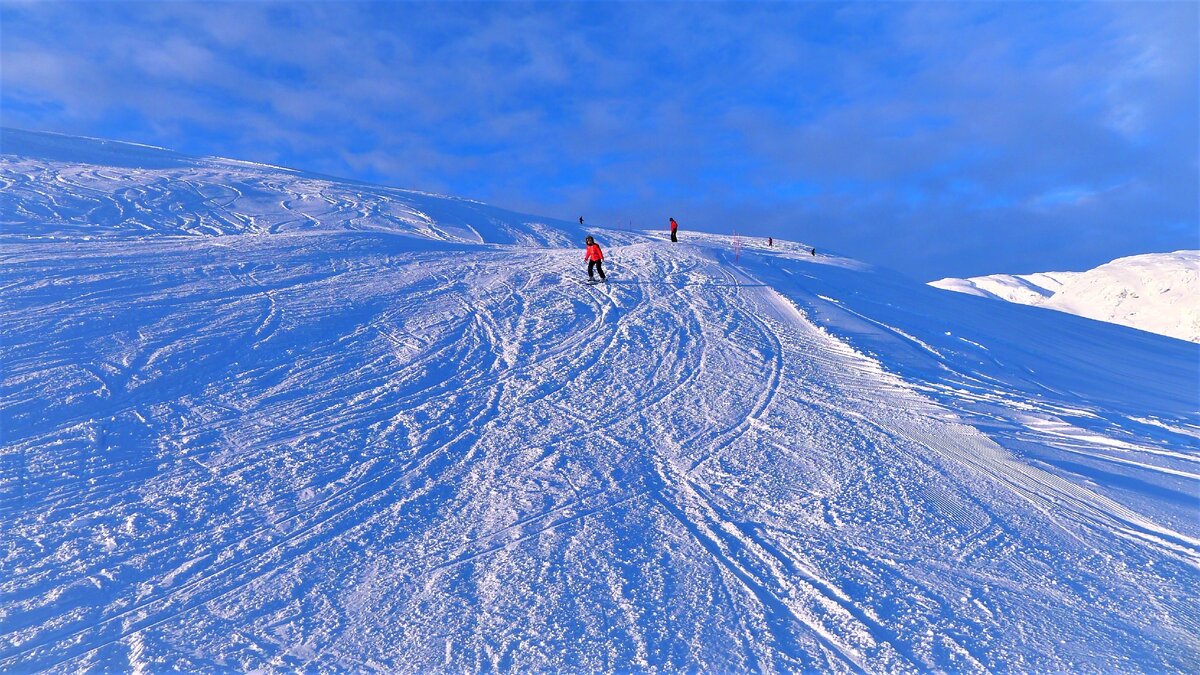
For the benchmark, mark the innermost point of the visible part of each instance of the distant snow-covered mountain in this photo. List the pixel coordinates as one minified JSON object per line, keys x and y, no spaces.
{"x":1155,"y":292}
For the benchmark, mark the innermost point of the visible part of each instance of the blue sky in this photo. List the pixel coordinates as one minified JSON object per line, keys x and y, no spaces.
{"x":935,"y":138}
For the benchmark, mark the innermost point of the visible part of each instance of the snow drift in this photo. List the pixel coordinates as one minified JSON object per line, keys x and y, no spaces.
{"x":259,"y":419}
{"x":1156,"y":292}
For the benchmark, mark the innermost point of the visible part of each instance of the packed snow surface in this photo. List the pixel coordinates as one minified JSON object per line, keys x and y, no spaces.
{"x":256,"y":419}
{"x":1156,"y":292}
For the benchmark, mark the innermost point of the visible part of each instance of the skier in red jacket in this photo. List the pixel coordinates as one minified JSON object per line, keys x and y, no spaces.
{"x":594,"y":256}
{"x":674,"y":227}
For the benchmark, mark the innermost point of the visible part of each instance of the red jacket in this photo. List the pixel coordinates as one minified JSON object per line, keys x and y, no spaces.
{"x":593,"y":252}
{"x":674,"y":225}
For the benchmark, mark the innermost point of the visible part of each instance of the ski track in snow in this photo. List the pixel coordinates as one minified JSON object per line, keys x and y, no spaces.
{"x":260,"y":426}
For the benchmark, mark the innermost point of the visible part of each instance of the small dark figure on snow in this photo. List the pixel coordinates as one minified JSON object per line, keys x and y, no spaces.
{"x":580,"y":220}
{"x":595,"y":258}
{"x":770,"y":241}
{"x":674,"y":229}
{"x":813,"y":251}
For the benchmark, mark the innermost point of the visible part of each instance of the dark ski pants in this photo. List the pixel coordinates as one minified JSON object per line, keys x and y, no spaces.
{"x":598,"y":266}
{"x":673,"y":237}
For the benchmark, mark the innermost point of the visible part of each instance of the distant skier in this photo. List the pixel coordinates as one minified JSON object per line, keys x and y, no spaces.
{"x":770,"y":241}
{"x":813,"y":251}
{"x":674,"y":229}
{"x":580,"y":220}
{"x":594,"y":256}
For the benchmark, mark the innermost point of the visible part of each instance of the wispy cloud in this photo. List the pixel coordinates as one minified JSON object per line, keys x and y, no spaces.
{"x":938,"y":138}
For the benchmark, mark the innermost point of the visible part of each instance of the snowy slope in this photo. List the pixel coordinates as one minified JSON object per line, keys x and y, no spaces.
{"x":1027,"y":289}
{"x":1156,"y":292}
{"x":258,"y":419}
{"x":119,"y":190}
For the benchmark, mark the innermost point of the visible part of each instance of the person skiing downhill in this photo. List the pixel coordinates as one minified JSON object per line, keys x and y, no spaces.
{"x":674,"y":227}
{"x":594,"y":256}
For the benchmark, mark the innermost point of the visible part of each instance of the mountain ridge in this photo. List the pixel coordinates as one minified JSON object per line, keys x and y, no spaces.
{"x":1155,"y":292}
